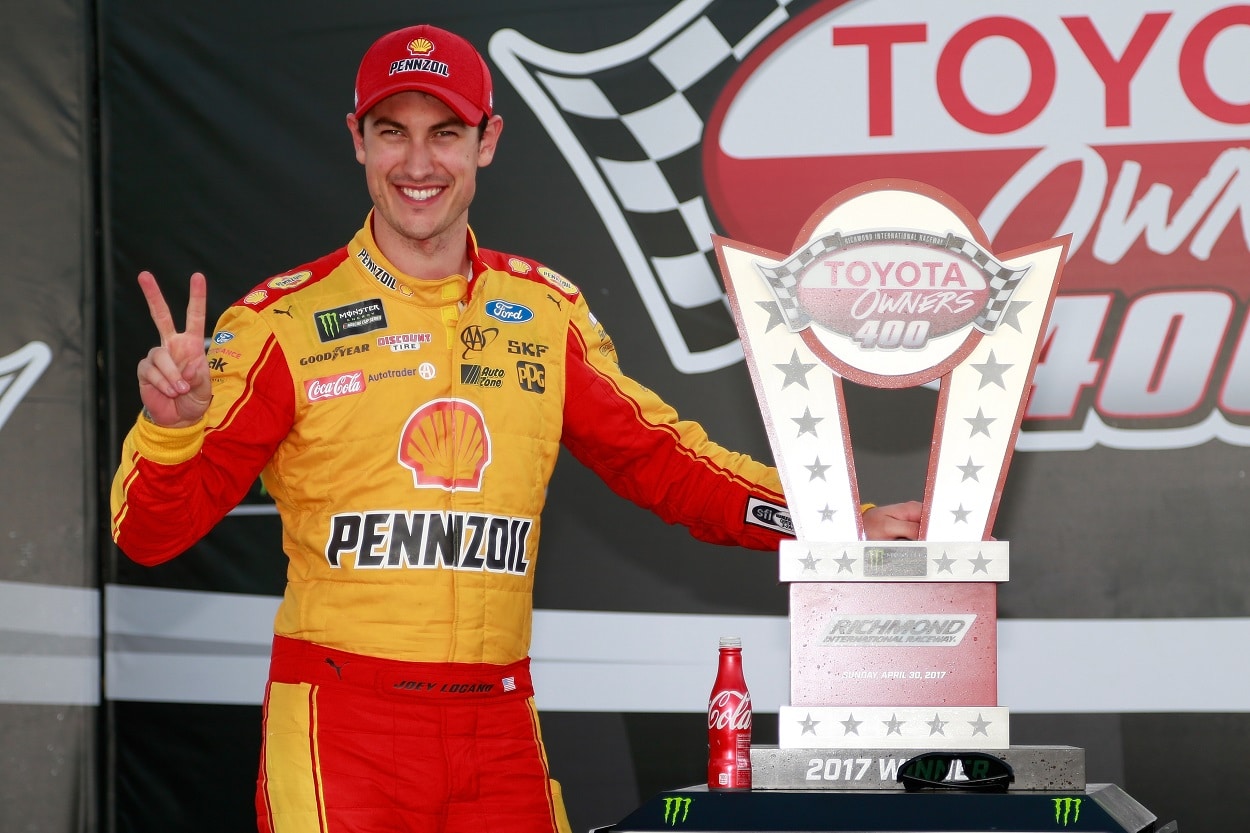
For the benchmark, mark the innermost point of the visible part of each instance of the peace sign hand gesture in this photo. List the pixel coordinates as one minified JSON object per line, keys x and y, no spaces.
{"x":173,"y":378}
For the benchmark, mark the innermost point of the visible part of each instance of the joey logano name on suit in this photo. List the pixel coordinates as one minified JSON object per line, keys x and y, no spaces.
{"x":429,"y":540}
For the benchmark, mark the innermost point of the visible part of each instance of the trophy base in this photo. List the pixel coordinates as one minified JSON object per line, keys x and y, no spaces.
{"x":893,"y":727}
{"x":1037,"y":768}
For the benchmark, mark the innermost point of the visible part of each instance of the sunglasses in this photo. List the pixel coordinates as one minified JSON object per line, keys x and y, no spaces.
{"x":961,"y":771}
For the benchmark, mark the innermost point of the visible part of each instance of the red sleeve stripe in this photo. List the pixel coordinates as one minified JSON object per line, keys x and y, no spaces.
{"x":679,"y":446}
{"x":249,"y":386}
{"x":130,"y":478}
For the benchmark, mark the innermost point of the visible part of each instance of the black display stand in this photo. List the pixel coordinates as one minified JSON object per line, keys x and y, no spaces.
{"x":1104,"y":808}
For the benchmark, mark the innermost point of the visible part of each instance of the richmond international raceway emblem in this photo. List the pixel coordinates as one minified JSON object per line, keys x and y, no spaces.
{"x":18,"y":373}
{"x":1119,"y":124}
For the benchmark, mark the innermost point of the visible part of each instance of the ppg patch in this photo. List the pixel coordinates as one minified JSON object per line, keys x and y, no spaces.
{"x":351,"y":320}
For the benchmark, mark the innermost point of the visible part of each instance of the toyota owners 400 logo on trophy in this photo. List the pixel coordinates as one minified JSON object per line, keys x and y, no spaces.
{"x":892,"y":284}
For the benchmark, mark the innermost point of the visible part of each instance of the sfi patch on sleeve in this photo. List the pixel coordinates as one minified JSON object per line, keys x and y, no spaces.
{"x":769,"y":515}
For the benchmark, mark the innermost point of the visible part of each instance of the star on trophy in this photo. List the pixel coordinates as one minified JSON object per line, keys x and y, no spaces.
{"x":892,"y":284}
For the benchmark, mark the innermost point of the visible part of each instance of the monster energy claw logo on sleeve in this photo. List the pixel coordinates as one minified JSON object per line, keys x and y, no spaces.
{"x":350,"y":320}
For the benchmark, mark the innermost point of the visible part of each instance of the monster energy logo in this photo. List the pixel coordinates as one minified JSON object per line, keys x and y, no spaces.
{"x":350,"y":320}
{"x":328,"y":325}
{"x":676,"y":808}
{"x":896,"y":561}
{"x":1067,"y":811}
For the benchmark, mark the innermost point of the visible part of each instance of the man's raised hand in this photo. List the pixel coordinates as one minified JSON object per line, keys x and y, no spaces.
{"x":173,"y":377}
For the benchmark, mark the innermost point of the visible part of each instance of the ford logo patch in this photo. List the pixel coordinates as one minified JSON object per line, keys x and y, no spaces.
{"x":508,"y":311}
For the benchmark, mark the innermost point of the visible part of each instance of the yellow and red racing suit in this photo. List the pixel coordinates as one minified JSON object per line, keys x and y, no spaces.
{"x":406,"y":430}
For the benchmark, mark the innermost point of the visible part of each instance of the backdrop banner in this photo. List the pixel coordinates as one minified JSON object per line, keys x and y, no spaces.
{"x":49,"y":604}
{"x":634,"y":133}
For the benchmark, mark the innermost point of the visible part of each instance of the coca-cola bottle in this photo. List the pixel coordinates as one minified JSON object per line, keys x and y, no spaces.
{"x":729,"y":722}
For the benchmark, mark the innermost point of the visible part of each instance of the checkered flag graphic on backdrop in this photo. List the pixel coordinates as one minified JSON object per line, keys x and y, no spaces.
{"x":783,"y":279}
{"x":629,"y":119}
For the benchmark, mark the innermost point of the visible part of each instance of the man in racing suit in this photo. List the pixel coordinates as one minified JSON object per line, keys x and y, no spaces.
{"x":404,"y":399}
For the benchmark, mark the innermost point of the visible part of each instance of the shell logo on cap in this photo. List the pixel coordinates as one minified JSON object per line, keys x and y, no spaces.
{"x":420,"y":47}
{"x":446,"y":445}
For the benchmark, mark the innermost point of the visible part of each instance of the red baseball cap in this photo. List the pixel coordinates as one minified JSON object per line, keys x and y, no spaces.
{"x":430,"y":60}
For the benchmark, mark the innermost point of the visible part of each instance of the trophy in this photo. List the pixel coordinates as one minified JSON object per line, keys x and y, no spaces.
{"x":892,"y":284}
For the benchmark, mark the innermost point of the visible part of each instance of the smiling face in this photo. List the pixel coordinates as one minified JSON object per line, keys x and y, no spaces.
{"x":421,"y":166}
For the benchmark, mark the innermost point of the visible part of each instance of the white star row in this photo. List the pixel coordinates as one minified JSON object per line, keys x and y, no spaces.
{"x":894,"y":561}
{"x":889,"y":727}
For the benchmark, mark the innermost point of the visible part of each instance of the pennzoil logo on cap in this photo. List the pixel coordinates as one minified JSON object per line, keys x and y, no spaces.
{"x":420,"y":49}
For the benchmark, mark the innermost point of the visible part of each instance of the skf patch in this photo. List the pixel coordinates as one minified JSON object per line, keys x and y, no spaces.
{"x":526,"y":348}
